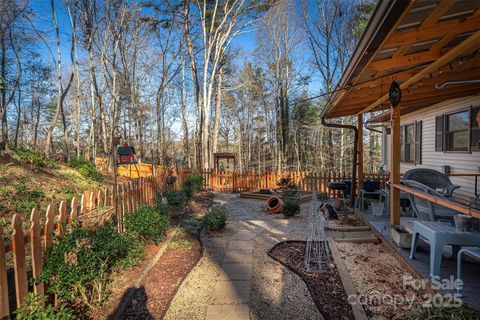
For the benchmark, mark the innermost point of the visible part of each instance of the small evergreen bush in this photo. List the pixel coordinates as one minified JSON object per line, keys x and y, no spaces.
{"x":86,"y":168}
{"x":192,"y":184}
{"x":175,"y":199}
{"x":195,"y":181}
{"x":151,"y":224}
{"x":290,"y":208}
{"x":35,"y":157}
{"x":216,"y":218}
{"x":36,"y":307}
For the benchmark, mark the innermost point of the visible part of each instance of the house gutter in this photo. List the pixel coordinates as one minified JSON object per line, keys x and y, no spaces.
{"x":353,"y":187}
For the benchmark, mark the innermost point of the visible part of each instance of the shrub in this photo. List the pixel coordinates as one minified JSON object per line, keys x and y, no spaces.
{"x":77,"y":264}
{"x":192,"y":184}
{"x":290,"y":208}
{"x":86,"y":168}
{"x":149,"y":223}
{"x":286,"y":184}
{"x":35,"y":157}
{"x":195,"y":181}
{"x":175,"y":199}
{"x":36,"y":307}
{"x":448,"y":310}
{"x":216,"y":218}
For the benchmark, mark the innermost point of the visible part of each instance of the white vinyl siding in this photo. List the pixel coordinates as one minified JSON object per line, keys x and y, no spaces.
{"x":459,"y":162}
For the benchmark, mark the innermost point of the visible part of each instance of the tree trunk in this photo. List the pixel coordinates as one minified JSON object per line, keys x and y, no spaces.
{"x":186,"y":146}
{"x":4,"y":90}
{"x":218,"y":101}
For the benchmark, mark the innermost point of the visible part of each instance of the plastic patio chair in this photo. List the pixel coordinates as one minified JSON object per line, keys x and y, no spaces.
{"x":472,"y":252}
{"x":425,"y":209}
{"x":432,"y":179}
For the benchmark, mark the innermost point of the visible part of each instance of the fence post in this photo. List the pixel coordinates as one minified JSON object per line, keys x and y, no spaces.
{"x":49,"y":225}
{"x":36,"y":248}
{"x":20,"y":268}
{"x":62,"y":217}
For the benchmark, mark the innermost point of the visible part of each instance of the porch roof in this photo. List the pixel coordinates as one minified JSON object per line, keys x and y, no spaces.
{"x":419,"y":44}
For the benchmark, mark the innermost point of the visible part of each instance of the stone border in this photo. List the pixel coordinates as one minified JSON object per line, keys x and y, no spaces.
{"x":348,"y":285}
{"x":302,"y":197}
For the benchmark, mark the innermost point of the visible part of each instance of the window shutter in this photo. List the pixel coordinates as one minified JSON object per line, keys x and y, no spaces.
{"x":439,"y":133}
{"x":418,"y":142}
{"x":475,"y":130}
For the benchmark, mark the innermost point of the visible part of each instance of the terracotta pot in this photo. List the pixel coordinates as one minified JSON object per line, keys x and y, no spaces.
{"x":275,"y":204}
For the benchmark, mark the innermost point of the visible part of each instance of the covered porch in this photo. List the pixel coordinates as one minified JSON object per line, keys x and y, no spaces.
{"x":416,"y":59}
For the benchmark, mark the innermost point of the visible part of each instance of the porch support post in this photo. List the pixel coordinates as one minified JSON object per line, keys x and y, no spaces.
{"x":360,"y":152}
{"x":395,"y":166}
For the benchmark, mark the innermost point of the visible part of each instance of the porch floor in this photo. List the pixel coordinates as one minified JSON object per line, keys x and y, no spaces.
{"x":421,"y":263}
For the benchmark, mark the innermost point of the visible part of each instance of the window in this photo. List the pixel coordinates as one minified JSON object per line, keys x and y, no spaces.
{"x":458,"y":131}
{"x":410,"y":142}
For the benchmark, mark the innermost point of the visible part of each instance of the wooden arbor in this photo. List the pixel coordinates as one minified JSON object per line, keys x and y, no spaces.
{"x":224,"y":156}
{"x":224,"y":180}
{"x":421,"y":46}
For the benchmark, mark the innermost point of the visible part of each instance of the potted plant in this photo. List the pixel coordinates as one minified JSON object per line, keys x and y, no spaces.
{"x":401,"y":236}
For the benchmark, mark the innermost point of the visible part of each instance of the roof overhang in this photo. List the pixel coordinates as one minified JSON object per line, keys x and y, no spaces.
{"x":418,"y":44}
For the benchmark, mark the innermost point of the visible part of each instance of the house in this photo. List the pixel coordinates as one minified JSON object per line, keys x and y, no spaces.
{"x":416,"y":70}
{"x":429,"y":141}
{"x":126,"y":154}
{"x":416,"y":73}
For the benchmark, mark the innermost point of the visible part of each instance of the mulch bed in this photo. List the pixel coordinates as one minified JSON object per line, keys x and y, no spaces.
{"x":152,"y":299}
{"x":158,"y":288}
{"x":326,"y":288}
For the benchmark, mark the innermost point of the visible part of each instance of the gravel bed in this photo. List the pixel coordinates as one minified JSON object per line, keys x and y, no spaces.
{"x":376,"y":273}
{"x":277,"y":293}
{"x":193,"y":296}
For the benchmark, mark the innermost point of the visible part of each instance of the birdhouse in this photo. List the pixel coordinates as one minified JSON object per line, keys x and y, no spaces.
{"x":126,"y":154}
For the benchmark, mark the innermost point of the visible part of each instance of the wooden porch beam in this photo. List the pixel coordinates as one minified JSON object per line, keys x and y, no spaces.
{"x":360,"y":153}
{"x":467,"y":44}
{"x":412,"y":101}
{"x":465,"y":66}
{"x":403,"y":61}
{"x":427,"y":86}
{"x":429,"y":32}
{"x":356,"y":79}
{"x":439,"y":12}
{"x":395,"y":166}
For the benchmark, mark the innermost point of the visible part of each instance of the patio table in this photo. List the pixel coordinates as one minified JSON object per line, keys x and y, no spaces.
{"x":438,"y":235}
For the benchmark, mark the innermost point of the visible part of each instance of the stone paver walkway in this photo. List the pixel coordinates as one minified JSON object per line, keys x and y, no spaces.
{"x":232,"y":291}
{"x":231,"y":296}
{"x":235,"y":279}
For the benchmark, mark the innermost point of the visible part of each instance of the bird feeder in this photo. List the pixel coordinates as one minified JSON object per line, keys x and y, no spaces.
{"x":126,"y":155}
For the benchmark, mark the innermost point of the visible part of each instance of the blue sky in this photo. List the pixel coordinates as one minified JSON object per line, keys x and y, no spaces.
{"x":245,"y":43}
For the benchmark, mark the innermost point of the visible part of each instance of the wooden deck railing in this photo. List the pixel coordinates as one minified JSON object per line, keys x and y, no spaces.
{"x":462,"y":208}
{"x":26,"y":250}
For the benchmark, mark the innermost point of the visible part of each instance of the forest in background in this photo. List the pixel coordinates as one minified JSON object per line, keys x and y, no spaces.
{"x":181,"y":80}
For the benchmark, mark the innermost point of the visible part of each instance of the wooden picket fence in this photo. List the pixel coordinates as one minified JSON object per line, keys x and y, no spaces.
{"x":249,"y":180}
{"x":23,"y":257}
{"x":254,"y":181}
